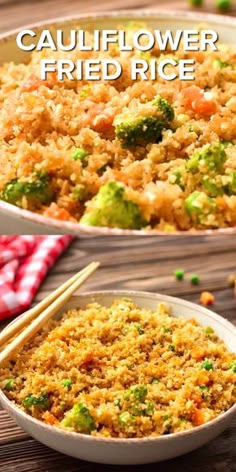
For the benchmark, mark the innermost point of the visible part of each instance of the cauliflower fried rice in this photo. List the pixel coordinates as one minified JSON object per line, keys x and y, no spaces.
{"x":117,"y":153}
{"x":123,"y":371}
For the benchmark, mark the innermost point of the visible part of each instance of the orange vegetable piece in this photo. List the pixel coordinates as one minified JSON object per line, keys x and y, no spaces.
{"x":101,"y":119}
{"x":54,"y":211}
{"x":32,"y":83}
{"x":49,"y":418}
{"x":196,"y":100}
{"x":207,"y":298}
{"x":197,"y":399}
{"x":198,"y":417}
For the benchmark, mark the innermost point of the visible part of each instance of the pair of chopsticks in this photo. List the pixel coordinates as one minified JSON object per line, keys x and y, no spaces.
{"x":34,"y":319}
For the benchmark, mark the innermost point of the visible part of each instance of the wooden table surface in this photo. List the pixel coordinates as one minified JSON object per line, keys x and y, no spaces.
{"x":132,"y":263}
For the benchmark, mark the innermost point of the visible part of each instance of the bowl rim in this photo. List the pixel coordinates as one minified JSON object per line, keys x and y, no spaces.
{"x":78,"y":228}
{"x":13,"y":407}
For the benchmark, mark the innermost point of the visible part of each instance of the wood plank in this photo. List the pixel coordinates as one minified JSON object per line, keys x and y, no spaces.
{"x":30,"y":456}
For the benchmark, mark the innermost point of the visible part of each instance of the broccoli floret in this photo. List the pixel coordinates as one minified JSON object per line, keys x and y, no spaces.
{"x":110,"y":208}
{"x":138,"y":393}
{"x":164,"y":107}
{"x":139,"y":128}
{"x":137,"y":131}
{"x":198,"y":206}
{"x":40,"y":401}
{"x":126,"y":419}
{"x":231,"y":187}
{"x":67,"y":383}
{"x":79,"y":193}
{"x":79,"y":418}
{"x":210,"y":158}
{"x":9,"y":385}
{"x":213,"y":187}
{"x":39,"y":190}
{"x":233,"y":367}
{"x":219,"y":64}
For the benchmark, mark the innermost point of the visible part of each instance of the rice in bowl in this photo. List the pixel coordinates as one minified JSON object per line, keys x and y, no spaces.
{"x":123,"y":371}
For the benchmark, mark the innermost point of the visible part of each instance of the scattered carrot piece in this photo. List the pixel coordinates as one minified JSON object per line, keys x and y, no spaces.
{"x":54,"y":211}
{"x":198,"y":417}
{"x":49,"y":418}
{"x":207,"y":298}
{"x":198,"y":101}
{"x":32,"y":83}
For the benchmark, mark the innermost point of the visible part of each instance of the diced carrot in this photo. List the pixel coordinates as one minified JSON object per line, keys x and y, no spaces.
{"x":101,"y":119}
{"x":32,"y":83}
{"x":196,"y":100}
{"x":207,"y":298}
{"x":49,"y":418}
{"x":203,"y":378}
{"x":198,"y":417}
{"x":196,"y":398}
{"x":198,"y":353}
{"x":54,"y":211}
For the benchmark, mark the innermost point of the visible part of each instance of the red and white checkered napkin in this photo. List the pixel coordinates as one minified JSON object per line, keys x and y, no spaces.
{"x":24,"y":262}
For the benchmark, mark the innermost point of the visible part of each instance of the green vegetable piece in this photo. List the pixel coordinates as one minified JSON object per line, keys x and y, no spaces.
{"x":227,"y":143}
{"x":138,"y":131}
{"x":147,"y":410}
{"x":164,"y":107}
{"x":39,"y":189}
{"x":224,"y":4}
{"x":126,"y":419}
{"x":213,"y":189}
{"x":196,"y":3}
{"x":155,"y":381}
{"x":139,"y":328}
{"x":233,"y":366}
{"x":194,"y":279}
{"x":117,"y":402}
{"x":40,"y":401}
{"x":110,"y":208}
{"x":135,"y":129}
{"x":171,"y":347}
{"x":138,"y":393}
{"x":79,"y":193}
{"x":165,"y":417}
{"x":198,"y":204}
{"x":67,"y":383}
{"x":9,"y":385}
{"x":210,"y":158}
{"x":179,"y":274}
{"x":79,"y":417}
{"x":207,"y":365}
{"x":204,"y":387}
{"x":209,"y":330}
{"x":79,"y":154}
{"x":165,"y":330}
{"x":178,"y":179}
{"x":231,"y":187}
{"x":219,"y":64}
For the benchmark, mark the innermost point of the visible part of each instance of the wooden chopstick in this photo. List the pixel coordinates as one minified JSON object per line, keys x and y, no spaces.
{"x":46,"y":314}
{"x":29,"y":315}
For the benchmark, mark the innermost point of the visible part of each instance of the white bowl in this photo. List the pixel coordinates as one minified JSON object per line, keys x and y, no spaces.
{"x":26,"y":222}
{"x":132,"y":451}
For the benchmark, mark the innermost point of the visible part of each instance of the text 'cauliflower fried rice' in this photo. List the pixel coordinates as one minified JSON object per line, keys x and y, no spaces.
{"x":127,"y":154}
